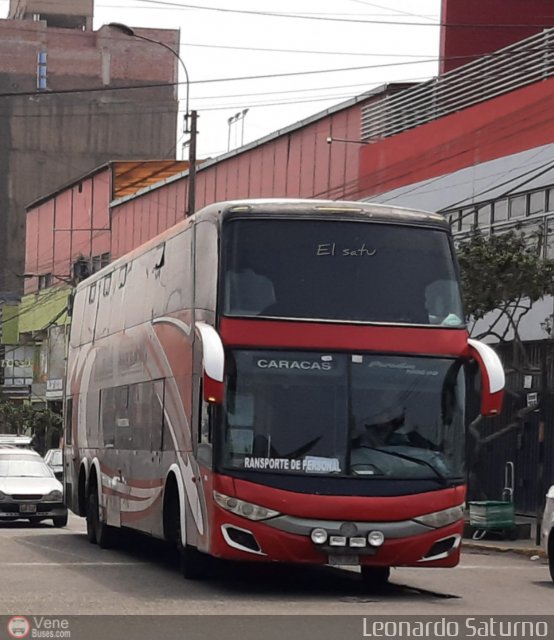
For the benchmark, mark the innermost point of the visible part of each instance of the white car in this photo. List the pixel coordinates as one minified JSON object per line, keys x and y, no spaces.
{"x":548,"y":529}
{"x":29,"y":489}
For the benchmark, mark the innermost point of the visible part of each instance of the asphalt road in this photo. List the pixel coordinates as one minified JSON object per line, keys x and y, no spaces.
{"x":58,"y":572}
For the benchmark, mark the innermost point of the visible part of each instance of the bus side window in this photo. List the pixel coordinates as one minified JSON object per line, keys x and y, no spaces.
{"x":68,"y":421}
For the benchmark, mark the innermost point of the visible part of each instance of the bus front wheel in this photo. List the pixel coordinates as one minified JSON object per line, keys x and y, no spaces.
{"x":194,"y":564}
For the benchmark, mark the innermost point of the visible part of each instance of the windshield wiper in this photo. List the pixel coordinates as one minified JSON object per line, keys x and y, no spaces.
{"x":444,"y":480}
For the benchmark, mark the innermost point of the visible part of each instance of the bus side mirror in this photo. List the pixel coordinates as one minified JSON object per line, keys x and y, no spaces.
{"x":492,"y":376}
{"x":213,"y":358}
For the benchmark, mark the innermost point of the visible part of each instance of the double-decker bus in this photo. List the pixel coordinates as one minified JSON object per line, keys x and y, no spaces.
{"x":279,"y":380}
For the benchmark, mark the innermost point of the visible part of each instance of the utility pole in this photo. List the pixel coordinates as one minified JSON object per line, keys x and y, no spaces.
{"x":191,"y":204}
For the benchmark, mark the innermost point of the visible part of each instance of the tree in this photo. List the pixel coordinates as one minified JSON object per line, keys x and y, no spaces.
{"x":43,"y":425}
{"x":502,"y":276}
{"x":505,"y":274}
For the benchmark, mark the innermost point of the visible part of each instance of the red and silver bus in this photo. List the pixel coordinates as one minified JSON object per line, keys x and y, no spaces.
{"x":279,"y":380}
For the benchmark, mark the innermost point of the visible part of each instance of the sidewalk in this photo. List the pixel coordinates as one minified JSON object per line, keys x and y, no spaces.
{"x":524,"y":545}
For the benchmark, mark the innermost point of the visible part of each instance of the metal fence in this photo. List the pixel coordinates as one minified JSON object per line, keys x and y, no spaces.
{"x":524,"y":63}
{"x":529,"y":446}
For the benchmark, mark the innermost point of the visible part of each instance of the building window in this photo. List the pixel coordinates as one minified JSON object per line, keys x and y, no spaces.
{"x":99,"y":262}
{"x":537,"y":202}
{"x":500,"y":212}
{"x":468,"y":219}
{"x":550,"y":199}
{"x":41,"y":70}
{"x":518,"y":206}
{"x":44,"y":281}
{"x":484,"y":216}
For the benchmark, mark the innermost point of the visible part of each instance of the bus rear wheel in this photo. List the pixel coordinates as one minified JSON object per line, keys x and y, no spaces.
{"x":98,"y":531}
{"x":375,"y":577}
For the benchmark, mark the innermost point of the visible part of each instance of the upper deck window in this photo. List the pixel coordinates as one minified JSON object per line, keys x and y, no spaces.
{"x":330,"y":270}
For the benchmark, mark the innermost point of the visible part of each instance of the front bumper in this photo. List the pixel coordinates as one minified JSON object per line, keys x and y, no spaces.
{"x":287,"y":540}
{"x":17,"y":509}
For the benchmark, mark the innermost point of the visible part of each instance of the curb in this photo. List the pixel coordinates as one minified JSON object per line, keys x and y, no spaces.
{"x":528,"y":551}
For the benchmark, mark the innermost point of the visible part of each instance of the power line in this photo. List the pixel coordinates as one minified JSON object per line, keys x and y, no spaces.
{"x":297,"y":16}
{"x":296,"y":51}
{"x":399,"y":11}
{"x":85,"y":90}
{"x":270,"y":76}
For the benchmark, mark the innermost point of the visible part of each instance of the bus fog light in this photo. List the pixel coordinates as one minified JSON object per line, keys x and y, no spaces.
{"x":357,"y":542}
{"x":375,"y":538}
{"x":337,"y":541}
{"x":319,"y":536}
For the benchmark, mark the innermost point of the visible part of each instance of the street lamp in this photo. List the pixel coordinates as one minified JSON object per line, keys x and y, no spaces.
{"x":330,"y":140}
{"x":238,"y":117}
{"x":190,"y":116}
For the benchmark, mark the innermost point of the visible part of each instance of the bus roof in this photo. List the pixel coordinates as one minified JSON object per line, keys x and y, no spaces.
{"x":347,"y":210}
{"x":312,"y":207}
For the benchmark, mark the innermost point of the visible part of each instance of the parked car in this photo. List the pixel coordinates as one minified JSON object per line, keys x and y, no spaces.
{"x":28,"y":488}
{"x":8,"y":439}
{"x":548,"y":529}
{"x":54,"y":459}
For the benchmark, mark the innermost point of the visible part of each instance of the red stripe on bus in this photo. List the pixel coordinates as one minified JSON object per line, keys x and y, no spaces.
{"x":351,"y":337}
{"x":153,"y":483}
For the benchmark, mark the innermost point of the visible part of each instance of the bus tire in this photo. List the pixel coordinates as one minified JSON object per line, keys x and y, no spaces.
{"x":551,"y":555}
{"x":195,"y":565}
{"x":97,"y":531}
{"x":375,"y":577}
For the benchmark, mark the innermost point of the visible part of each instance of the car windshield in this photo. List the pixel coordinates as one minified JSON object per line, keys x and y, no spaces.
{"x":54,"y":457}
{"x":335,"y":414}
{"x":23,"y":467}
{"x":335,"y":270}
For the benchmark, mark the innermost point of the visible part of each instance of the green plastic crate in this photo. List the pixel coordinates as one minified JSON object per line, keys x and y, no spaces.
{"x":492,"y":514}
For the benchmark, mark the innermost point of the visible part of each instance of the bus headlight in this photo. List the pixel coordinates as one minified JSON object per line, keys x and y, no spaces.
{"x":442,"y":518}
{"x":318,"y":536}
{"x":3,"y":496}
{"x":243,"y":508}
{"x":375,"y":538}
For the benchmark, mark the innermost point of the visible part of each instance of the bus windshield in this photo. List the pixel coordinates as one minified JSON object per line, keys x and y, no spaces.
{"x":370,"y":416}
{"x":359,"y":271}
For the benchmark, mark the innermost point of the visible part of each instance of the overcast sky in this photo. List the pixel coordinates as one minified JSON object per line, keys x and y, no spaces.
{"x":222,"y":41}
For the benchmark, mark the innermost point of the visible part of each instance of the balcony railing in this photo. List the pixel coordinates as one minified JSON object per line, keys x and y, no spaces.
{"x":524,"y":63}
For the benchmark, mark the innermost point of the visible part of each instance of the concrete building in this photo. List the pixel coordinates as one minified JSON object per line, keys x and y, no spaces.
{"x":64,"y":109}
